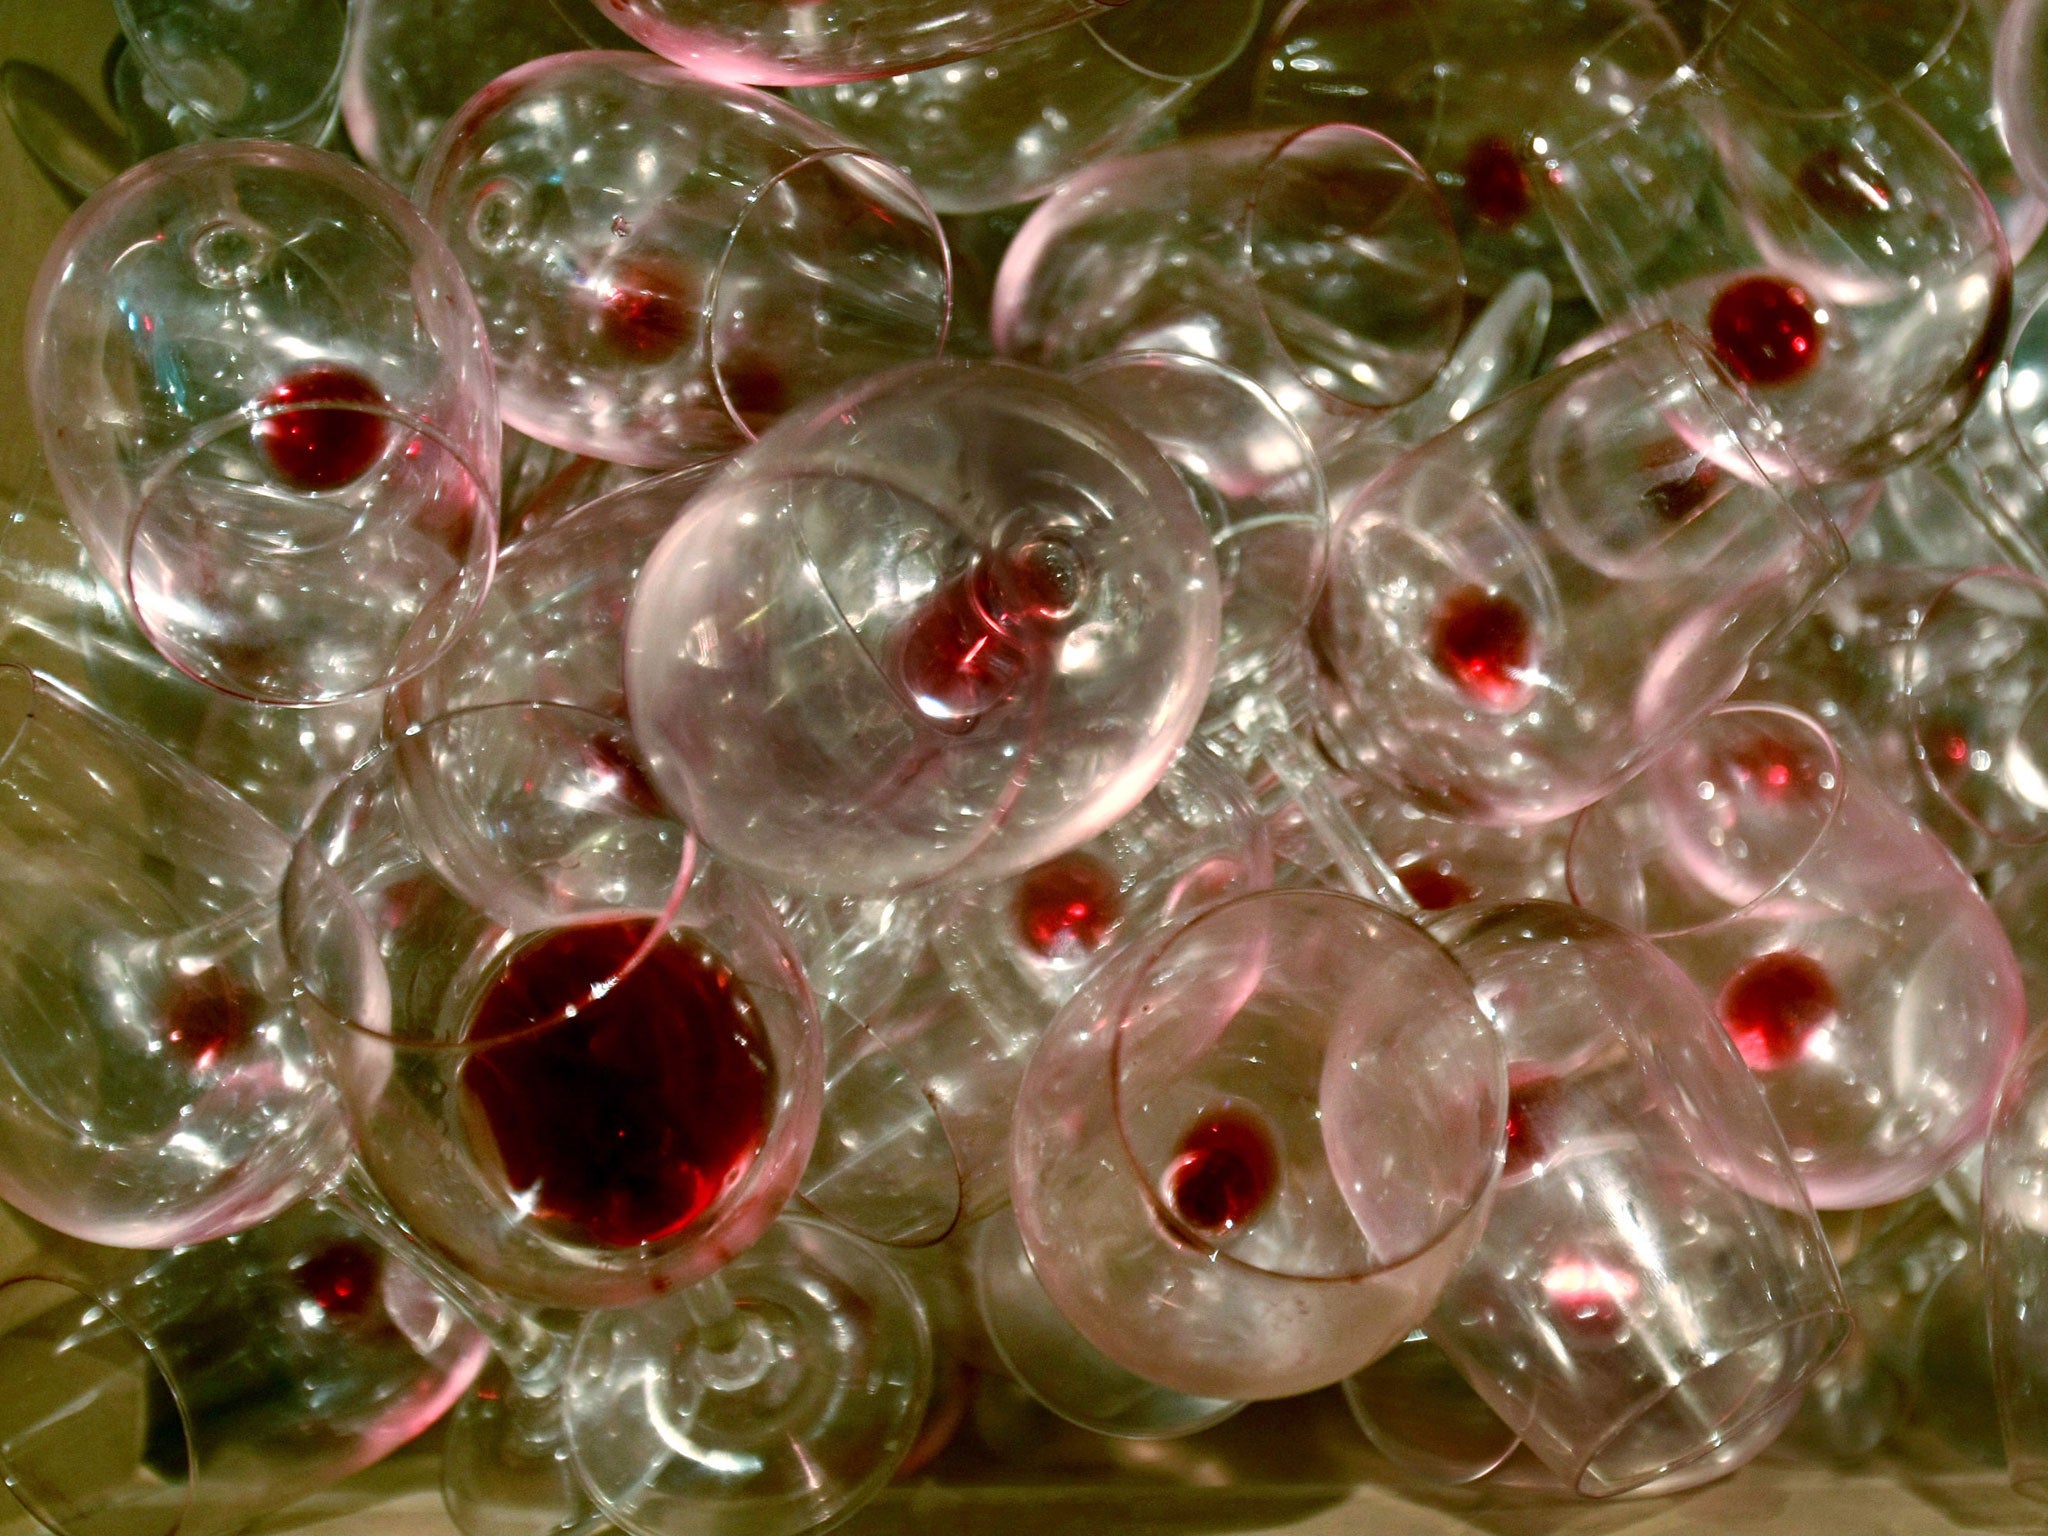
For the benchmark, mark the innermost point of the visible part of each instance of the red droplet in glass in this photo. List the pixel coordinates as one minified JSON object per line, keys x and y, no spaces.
{"x":322,"y":450}
{"x":1497,"y":184}
{"x":645,"y":311}
{"x":1774,"y":1005}
{"x":1771,"y":769}
{"x":755,"y":385}
{"x":208,"y":1015}
{"x":1223,"y":1173}
{"x":1945,"y":743}
{"x":971,"y":643}
{"x":1845,"y":189}
{"x":612,"y":757}
{"x":1483,"y":643}
{"x":624,"y":1119}
{"x":341,"y":1277}
{"x":1682,"y":496}
{"x":1765,"y":330}
{"x":1432,"y":885}
{"x":1066,"y":908}
{"x":1527,"y":1098}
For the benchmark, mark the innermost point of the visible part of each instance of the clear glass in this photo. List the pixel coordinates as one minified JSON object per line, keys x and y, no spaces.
{"x":263,"y":391}
{"x":1318,"y":261}
{"x":1783,"y":200}
{"x":206,"y":1388}
{"x":1022,"y":117}
{"x":1523,"y":610}
{"x":1464,"y":86}
{"x":781,"y":42}
{"x":1252,"y":1150}
{"x":503,"y":832}
{"x":2016,"y":1265}
{"x":2020,"y":89}
{"x":1852,"y":962}
{"x":156,"y":1084}
{"x":1651,"y":1281}
{"x":946,"y":626}
{"x":665,"y":264}
{"x":232,"y":70}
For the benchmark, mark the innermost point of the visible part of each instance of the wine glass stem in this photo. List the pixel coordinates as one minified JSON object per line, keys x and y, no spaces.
{"x":733,"y":1349}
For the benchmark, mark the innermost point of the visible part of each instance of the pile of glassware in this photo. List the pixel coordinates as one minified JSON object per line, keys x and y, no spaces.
{"x":1187,"y":699}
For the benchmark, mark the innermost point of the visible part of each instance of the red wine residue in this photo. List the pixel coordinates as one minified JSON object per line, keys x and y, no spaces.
{"x":340,"y":1277}
{"x":209,"y":1015}
{"x":1766,"y":330}
{"x":1066,"y":908}
{"x":1774,"y":1005}
{"x":311,"y":449}
{"x":1223,"y":1173}
{"x":1496,"y":183}
{"x":1485,"y":644}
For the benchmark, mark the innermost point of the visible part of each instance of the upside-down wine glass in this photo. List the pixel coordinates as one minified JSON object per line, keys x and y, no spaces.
{"x":230,"y":71}
{"x":262,"y":388}
{"x":665,"y":264}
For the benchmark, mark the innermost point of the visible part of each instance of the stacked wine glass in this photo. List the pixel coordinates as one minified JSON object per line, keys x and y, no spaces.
{"x":754,"y":704}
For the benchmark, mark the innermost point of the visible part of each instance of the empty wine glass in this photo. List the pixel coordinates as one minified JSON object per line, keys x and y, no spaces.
{"x":158,"y":1085}
{"x":204,"y":1388}
{"x":235,"y":71}
{"x":263,"y":390}
{"x":781,"y":42}
{"x":1774,"y":194}
{"x":1005,"y":129}
{"x":1523,"y":609}
{"x":665,"y":264}
{"x":1651,"y":1282}
{"x":1851,"y":961}
{"x":1464,"y":86}
{"x":1318,"y":261}
{"x":945,"y":626}
{"x":1249,"y":1154}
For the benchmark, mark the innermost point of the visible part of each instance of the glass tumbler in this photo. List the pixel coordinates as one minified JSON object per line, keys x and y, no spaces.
{"x":262,"y":387}
{"x":665,"y":264}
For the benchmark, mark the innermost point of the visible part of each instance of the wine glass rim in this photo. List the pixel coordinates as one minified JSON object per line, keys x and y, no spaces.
{"x":323,"y":104}
{"x":1116,"y":1004}
{"x":1417,"y":12}
{"x":1229,"y":46}
{"x":474,"y":581}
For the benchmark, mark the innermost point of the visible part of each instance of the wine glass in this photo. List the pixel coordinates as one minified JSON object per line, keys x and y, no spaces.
{"x":1524,"y":609}
{"x":159,"y":1087}
{"x":1651,"y":1282}
{"x":945,"y":626}
{"x":2015,"y":1252}
{"x":229,"y":71}
{"x":263,"y":390}
{"x":2020,"y":90}
{"x":1032,"y":112}
{"x":1851,"y":960}
{"x":779,"y":42}
{"x":1464,"y":86}
{"x":200,"y":1390}
{"x":1249,"y":1154}
{"x":1318,"y":261}
{"x":665,"y":264}
{"x":1775,"y":195}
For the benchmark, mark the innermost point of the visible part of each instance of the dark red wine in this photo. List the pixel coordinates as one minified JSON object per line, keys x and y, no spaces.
{"x":1497,"y":185}
{"x":1223,"y":1173}
{"x":340,"y":1277}
{"x":1844,"y":188}
{"x":1485,"y":644}
{"x":323,"y":450}
{"x":612,"y":756}
{"x":1432,"y":885}
{"x":1682,"y":496}
{"x":646,"y":311}
{"x":622,"y":1121}
{"x":1068,"y":906}
{"x":1765,"y":330}
{"x":1528,"y":1103}
{"x":208,"y":1016}
{"x":755,"y":384}
{"x":1775,"y":1004}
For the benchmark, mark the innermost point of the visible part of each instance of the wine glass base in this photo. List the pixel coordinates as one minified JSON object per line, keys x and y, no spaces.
{"x":505,"y":1466}
{"x":778,"y":1417}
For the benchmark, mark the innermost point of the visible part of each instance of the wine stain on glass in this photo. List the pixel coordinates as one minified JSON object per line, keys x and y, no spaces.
{"x":1433,"y":885}
{"x":638,"y":1101}
{"x":970,"y":645}
{"x":1766,"y":330}
{"x":311,"y":449}
{"x":1682,"y":497}
{"x":208,"y":1015}
{"x":1529,"y":1094}
{"x":1223,"y":1172}
{"x":645,"y":312}
{"x":340,"y":1278}
{"x":1067,"y":907}
{"x":1497,"y":187}
{"x":1483,"y":641}
{"x":1773,"y":1006}
{"x":1846,"y":189}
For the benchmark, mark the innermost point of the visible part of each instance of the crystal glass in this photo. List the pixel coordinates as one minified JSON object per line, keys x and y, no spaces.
{"x":2016,"y":1265}
{"x":781,"y":42}
{"x":1524,"y":609}
{"x":263,"y":390}
{"x":946,"y":626}
{"x":229,"y":70}
{"x":205,"y":1388}
{"x":1464,"y":85}
{"x":1777,"y":196}
{"x":2020,"y":89}
{"x":1251,"y":1151}
{"x":1852,"y":962}
{"x":1008,"y":128}
{"x":665,"y":264}
{"x":158,"y":1087}
{"x":1651,"y":1281}
{"x":1318,"y":261}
